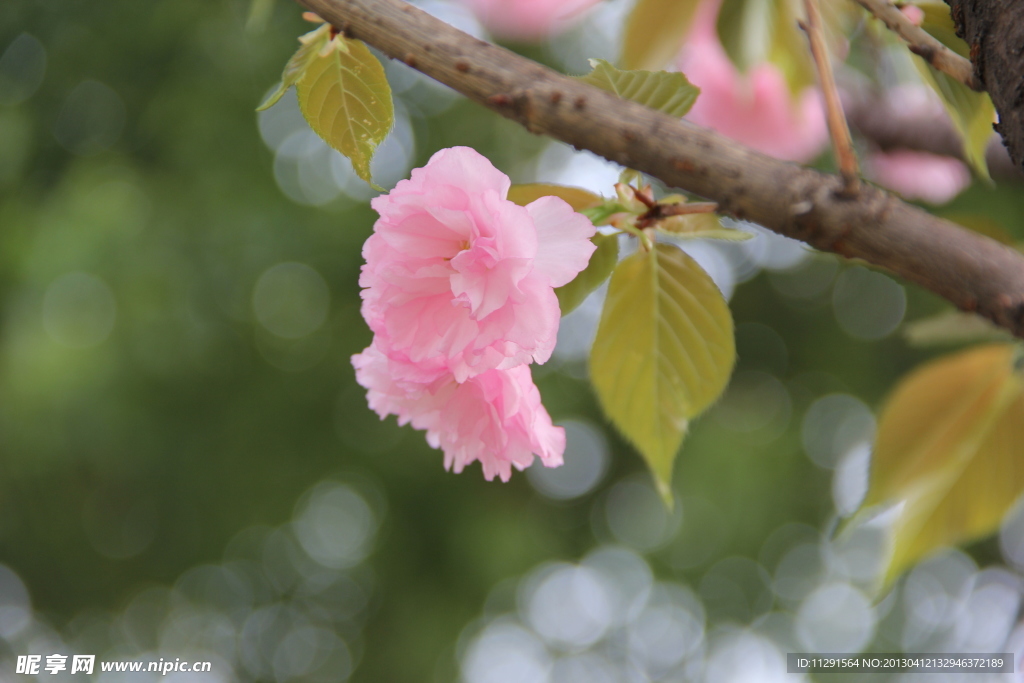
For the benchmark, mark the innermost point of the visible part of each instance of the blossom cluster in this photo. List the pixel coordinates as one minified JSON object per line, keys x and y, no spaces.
{"x":459,"y":293}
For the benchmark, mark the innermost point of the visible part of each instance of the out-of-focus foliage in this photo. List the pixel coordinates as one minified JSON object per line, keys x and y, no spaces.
{"x":971,"y":112}
{"x":654,"y":32}
{"x":181,"y":433}
{"x":948,"y":452}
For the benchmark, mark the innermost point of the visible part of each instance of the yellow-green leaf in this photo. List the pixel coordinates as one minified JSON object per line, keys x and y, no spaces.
{"x":663,"y":353}
{"x":602,"y":263}
{"x":939,"y":23}
{"x":669,"y":93}
{"x":701,"y":226}
{"x":949,"y":451}
{"x":576,"y":197}
{"x":971,"y":112}
{"x":952,"y":327}
{"x":655,"y":31}
{"x":346,"y":99}
{"x":310,"y":46}
{"x":757,"y":31}
{"x":745,"y":28}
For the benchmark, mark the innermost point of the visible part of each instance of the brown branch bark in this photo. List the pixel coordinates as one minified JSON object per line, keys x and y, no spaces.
{"x":994,"y":30}
{"x":973,"y":272}
{"x":922,"y":43}
{"x":888,"y":127}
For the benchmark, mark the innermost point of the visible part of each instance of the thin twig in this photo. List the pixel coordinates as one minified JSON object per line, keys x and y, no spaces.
{"x":842,"y":144}
{"x":923,"y":44}
{"x":973,"y":272}
{"x":686,"y":209}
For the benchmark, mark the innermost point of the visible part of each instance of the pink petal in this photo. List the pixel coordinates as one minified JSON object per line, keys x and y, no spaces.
{"x":565,"y":235}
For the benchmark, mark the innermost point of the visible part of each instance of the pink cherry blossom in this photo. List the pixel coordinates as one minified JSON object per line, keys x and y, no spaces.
{"x":918,"y":175}
{"x":527,"y":20}
{"x":756,"y":109}
{"x":455,"y":278}
{"x":495,"y":417}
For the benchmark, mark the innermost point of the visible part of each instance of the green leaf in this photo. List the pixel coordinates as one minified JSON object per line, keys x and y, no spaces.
{"x":745,"y":28}
{"x":701,"y":226}
{"x":578,"y":198}
{"x":669,"y":93}
{"x":310,"y":45}
{"x":948,"y":449}
{"x":939,"y":23}
{"x":972,"y":113}
{"x":663,"y":353}
{"x":346,"y":99}
{"x":757,"y":31}
{"x":602,"y":263}
{"x":655,"y":32}
{"x":952,"y":327}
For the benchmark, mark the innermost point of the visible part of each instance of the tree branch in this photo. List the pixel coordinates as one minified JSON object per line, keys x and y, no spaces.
{"x":922,"y":43}
{"x":973,"y":272}
{"x":889,"y":127}
{"x":994,"y":30}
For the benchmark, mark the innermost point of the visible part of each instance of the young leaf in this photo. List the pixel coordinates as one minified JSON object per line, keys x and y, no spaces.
{"x":310,"y":46}
{"x":602,"y":263}
{"x":663,"y":353}
{"x":701,"y":226}
{"x":346,"y":99}
{"x":971,"y":112}
{"x":948,"y":450}
{"x":655,"y":31}
{"x":578,"y":198}
{"x":669,"y":93}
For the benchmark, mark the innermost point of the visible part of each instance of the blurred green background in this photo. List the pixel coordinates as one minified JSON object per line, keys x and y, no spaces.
{"x":178,"y":280}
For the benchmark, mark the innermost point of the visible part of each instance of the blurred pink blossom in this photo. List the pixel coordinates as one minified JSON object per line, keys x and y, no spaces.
{"x":495,"y":417}
{"x":757,"y":108}
{"x":917,"y":175}
{"x":459,"y":292}
{"x":454,"y":280}
{"x":527,"y":20}
{"x":914,"y":13}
